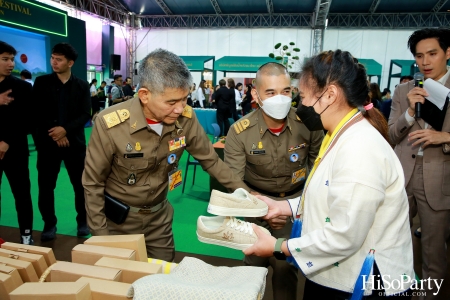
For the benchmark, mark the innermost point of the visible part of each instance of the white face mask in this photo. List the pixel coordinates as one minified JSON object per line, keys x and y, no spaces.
{"x":277,"y":106}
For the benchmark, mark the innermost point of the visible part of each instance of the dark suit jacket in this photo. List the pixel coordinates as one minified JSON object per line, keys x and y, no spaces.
{"x":436,"y":163}
{"x":127,"y":90}
{"x":77,"y":110}
{"x":14,"y":117}
{"x":224,"y":99}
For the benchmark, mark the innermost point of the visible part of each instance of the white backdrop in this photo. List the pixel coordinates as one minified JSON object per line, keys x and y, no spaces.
{"x":380,"y":45}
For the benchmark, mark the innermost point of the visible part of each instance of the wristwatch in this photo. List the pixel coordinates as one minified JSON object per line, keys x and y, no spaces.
{"x":278,"y":253}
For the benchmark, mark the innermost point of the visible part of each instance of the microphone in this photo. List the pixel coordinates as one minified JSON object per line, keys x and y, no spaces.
{"x":418,"y":81}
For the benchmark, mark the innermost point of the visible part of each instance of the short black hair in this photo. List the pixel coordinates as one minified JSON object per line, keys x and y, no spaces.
{"x":238,"y":85}
{"x":126,"y":79}
{"x":7,"y":48}
{"x":25,"y":74}
{"x":441,"y":34}
{"x":117,"y":76}
{"x":103,"y":82}
{"x":67,"y":50}
{"x":222,"y":82}
{"x":406,"y":77}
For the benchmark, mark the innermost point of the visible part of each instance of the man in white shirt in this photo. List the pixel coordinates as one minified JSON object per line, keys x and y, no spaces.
{"x":425,"y":152}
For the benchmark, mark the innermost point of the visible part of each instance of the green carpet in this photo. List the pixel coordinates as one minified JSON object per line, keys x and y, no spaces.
{"x":187,"y":206}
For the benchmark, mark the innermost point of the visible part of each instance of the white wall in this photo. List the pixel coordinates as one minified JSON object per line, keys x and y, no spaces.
{"x":222,"y":42}
{"x":380,"y":45}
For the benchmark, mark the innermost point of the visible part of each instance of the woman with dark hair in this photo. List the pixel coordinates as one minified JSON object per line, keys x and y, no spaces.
{"x":375,"y":94}
{"x":247,"y":100}
{"x":385,"y":107}
{"x":94,"y":99}
{"x":351,"y":231}
{"x":201,"y":94}
{"x":213,"y":97}
{"x":232,"y":87}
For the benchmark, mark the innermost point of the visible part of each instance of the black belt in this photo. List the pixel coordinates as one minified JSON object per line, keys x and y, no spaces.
{"x":283,"y":194}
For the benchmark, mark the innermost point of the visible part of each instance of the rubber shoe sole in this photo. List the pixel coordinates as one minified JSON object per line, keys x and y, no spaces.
{"x":236,"y":212}
{"x":223,"y":243}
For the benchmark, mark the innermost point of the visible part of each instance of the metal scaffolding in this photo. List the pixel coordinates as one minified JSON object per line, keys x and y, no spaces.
{"x":228,"y":21}
{"x":216,"y":7}
{"x":164,"y":7}
{"x":389,"y":21}
{"x":111,"y":10}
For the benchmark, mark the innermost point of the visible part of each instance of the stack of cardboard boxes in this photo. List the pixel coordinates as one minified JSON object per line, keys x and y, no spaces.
{"x":104,"y":267}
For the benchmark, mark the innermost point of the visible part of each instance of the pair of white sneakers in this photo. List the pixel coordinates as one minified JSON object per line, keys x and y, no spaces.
{"x":225,"y":229}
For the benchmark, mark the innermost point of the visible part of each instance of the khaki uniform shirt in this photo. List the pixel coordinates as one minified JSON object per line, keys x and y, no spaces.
{"x":122,"y":144}
{"x":276,"y":164}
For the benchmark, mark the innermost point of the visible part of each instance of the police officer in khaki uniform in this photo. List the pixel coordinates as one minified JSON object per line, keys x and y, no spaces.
{"x":134,"y":151}
{"x":272,"y":151}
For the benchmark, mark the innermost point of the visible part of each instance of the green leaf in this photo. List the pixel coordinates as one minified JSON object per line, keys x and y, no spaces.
{"x":295,"y":57}
{"x":296,"y":49}
{"x":285,"y":47}
{"x":290,"y":67}
{"x":292,"y":43}
{"x":288,"y":53}
{"x":278,"y":58}
{"x":277,"y":45}
{"x":271,"y":55}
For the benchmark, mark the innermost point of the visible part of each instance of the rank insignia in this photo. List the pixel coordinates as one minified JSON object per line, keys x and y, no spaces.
{"x":240,"y":126}
{"x":134,"y":125}
{"x":260,"y":145}
{"x":187,"y":112}
{"x":138,"y":146}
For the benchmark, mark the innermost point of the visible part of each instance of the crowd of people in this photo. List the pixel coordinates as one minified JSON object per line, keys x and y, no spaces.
{"x":342,"y":180}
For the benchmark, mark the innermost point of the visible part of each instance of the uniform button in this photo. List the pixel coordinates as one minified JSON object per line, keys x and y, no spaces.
{"x":132,"y":167}
{"x":159,"y":164}
{"x":413,"y":156}
{"x":152,"y":192}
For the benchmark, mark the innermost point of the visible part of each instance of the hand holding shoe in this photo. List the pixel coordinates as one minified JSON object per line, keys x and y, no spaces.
{"x":264,"y":246}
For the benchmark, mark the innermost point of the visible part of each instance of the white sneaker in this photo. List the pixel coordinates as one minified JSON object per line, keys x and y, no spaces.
{"x":240,"y":204}
{"x":227,"y":231}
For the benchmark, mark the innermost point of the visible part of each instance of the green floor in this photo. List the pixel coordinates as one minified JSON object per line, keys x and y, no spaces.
{"x":188,"y":207}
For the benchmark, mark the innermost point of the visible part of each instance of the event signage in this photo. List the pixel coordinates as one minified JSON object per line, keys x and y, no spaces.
{"x":31,"y":15}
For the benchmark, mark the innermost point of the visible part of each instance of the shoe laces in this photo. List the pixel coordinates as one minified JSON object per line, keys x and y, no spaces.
{"x":240,"y":225}
{"x":26,"y":239}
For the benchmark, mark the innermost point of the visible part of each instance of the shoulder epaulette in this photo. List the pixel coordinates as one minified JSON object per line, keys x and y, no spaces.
{"x":116,"y":117}
{"x":241,"y":125}
{"x":187,"y":112}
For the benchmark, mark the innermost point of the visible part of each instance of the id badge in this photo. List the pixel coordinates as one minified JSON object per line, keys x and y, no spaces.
{"x":298,"y":176}
{"x":175,"y":179}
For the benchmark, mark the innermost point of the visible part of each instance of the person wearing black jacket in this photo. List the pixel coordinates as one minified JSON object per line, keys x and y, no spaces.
{"x":14,"y":93}
{"x":224,"y":98}
{"x":63,"y":107}
{"x":127,"y":89}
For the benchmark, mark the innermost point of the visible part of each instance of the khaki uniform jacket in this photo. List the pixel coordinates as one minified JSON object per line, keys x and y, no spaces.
{"x":436,"y":158}
{"x":109,"y":165}
{"x":294,"y":150}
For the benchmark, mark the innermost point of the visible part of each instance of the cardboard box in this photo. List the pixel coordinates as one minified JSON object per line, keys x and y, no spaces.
{"x":107,"y":290}
{"x":25,"y":268}
{"x":52,"y":291}
{"x":70,"y":272}
{"x":46,"y":252}
{"x":9,"y":281}
{"x":90,"y":254}
{"x":37,"y":260}
{"x":131,"y":270}
{"x":134,"y":242}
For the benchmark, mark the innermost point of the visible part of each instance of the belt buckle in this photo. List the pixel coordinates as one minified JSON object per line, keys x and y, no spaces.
{"x":282,"y":194}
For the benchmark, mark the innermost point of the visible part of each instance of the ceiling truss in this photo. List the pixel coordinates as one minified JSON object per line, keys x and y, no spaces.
{"x":164,"y":7}
{"x":216,"y":7}
{"x":439,"y":5}
{"x":374,"y":6}
{"x":269,"y":4}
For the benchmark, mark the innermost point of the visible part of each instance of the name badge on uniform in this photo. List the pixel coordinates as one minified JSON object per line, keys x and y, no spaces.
{"x":257,"y":152}
{"x":175,"y":179}
{"x":298,"y":176}
{"x":177,"y":143}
